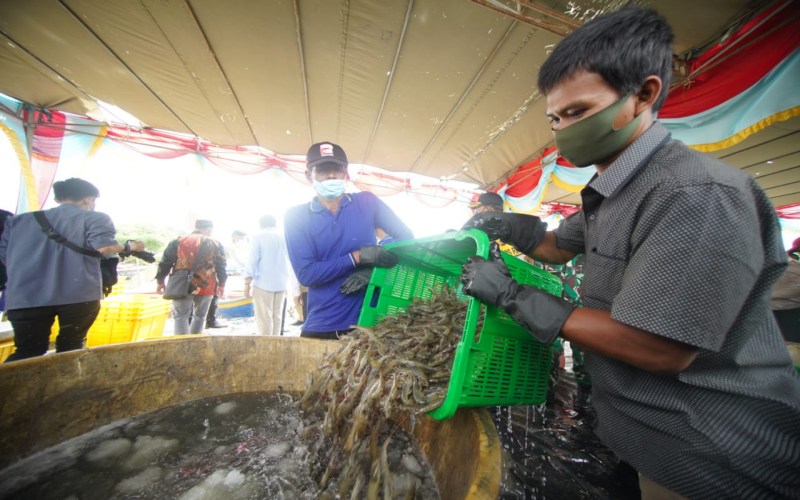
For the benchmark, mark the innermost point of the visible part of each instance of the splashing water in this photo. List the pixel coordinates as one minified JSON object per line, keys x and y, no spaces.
{"x":551,"y":451}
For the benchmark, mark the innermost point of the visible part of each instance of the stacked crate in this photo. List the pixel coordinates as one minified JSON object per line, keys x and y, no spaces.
{"x":126,"y":318}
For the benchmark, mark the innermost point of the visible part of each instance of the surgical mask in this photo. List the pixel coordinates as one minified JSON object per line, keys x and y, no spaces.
{"x":330,"y":189}
{"x":594,"y":140}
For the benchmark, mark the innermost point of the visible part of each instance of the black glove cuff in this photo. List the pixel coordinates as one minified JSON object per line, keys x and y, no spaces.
{"x":539,"y":312}
{"x":507,"y":293}
{"x":526,"y":242}
{"x":377,"y":256}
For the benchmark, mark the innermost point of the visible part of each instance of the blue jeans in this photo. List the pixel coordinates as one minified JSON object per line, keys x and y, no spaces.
{"x":194,"y":307}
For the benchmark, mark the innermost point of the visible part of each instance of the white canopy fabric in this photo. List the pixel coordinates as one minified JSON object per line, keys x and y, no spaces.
{"x":443,"y":88}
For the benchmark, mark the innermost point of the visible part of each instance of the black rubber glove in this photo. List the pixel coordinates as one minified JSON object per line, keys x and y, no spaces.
{"x":540,"y":313}
{"x":356,"y":281}
{"x":377,"y":256}
{"x":523,"y":231}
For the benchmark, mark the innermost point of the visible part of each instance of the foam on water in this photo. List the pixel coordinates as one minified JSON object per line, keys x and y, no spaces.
{"x":225,"y":408}
{"x":239,"y":446}
{"x":140,"y":481}
{"x":149,"y":449}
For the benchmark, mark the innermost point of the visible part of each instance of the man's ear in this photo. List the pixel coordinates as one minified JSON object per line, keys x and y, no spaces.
{"x":308,"y":176}
{"x":648,"y":93}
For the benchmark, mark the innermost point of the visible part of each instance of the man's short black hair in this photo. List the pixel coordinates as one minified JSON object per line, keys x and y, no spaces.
{"x":624,"y":47}
{"x":267,"y":221}
{"x":74,"y":189}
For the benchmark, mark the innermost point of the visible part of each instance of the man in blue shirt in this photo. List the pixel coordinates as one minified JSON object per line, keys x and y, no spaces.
{"x":47,"y":279}
{"x":332,"y":238}
{"x":267,"y":270}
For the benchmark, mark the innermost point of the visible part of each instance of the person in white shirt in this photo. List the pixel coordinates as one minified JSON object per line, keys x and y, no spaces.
{"x":267,"y":275}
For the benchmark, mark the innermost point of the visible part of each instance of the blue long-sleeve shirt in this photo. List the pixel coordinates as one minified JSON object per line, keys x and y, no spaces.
{"x":320,"y":244}
{"x":267,"y":263}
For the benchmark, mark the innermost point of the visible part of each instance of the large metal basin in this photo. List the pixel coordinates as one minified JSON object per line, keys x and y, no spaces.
{"x":46,"y":400}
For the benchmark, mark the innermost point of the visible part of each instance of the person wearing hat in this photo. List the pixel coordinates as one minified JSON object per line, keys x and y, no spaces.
{"x":493,"y":202}
{"x":785,"y":301}
{"x":205,"y":258}
{"x":50,"y":277}
{"x":487,"y":202}
{"x":332,"y":244}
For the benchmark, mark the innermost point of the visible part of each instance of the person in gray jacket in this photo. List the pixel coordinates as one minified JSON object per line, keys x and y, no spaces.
{"x":46,"y":279}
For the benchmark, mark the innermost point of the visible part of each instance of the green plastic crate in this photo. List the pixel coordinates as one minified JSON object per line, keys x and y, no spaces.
{"x":500,"y":365}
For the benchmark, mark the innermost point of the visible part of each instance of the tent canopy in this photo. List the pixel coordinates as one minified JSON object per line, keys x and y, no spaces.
{"x":443,"y":88}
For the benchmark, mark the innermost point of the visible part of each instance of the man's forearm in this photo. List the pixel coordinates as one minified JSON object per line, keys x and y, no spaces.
{"x":129,"y":245}
{"x":220,"y":266}
{"x":548,"y":251}
{"x":115,"y":248}
{"x":595,"y":330}
{"x":164,"y":267}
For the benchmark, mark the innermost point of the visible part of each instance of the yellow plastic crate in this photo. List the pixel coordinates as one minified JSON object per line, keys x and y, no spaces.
{"x":6,"y":348}
{"x":120,"y":288}
{"x":126,"y":318}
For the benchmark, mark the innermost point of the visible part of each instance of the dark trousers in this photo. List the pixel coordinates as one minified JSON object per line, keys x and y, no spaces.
{"x":32,"y":328}
{"x":335,"y":335}
{"x":283,"y":314}
{"x":211,"y":317}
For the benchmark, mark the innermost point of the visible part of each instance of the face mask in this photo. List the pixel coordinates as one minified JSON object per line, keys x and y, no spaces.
{"x":594,"y":140}
{"x":330,"y":189}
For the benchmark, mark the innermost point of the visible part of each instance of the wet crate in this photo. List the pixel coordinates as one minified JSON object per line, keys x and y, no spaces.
{"x":502,"y":364}
{"x":126,"y":318}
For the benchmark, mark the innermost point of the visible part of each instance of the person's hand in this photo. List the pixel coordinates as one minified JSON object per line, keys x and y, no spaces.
{"x":540,"y":313}
{"x":488,"y":281}
{"x":136,"y":248}
{"x":136,"y":245}
{"x":221,"y":291}
{"x":356,"y":281}
{"x":523,"y":231}
{"x":247,"y":292}
{"x":376,"y":256}
{"x":160,"y":288}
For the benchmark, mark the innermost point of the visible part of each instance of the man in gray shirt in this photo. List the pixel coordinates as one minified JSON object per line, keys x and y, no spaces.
{"x":46,"y":279}
{"x":693,"y":385}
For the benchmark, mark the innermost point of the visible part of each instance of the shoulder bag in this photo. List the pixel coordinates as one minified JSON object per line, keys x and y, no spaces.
{"x":177,"y":284}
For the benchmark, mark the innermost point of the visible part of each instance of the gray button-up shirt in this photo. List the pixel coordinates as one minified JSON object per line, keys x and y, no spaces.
{"x":42,"y":272}
{"x":686,"y":247}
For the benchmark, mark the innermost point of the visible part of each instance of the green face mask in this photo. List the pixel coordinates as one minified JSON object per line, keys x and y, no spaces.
{"x":594,"y":139}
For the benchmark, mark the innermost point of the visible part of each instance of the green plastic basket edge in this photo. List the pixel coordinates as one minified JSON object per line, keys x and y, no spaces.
{"x":460,"y":365}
